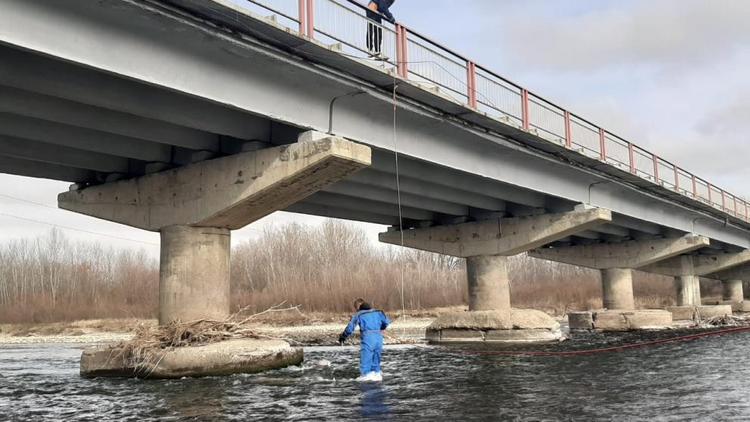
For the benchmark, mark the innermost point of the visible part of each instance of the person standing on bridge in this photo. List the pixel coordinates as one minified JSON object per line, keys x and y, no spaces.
{"x":372,"y":323}
{"x":376,"y":10}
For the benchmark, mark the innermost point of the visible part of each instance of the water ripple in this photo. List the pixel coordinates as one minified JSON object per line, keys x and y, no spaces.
{"x":707,"y":379}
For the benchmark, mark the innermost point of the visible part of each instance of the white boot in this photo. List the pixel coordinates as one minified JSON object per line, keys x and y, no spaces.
{"x":371,"y":377}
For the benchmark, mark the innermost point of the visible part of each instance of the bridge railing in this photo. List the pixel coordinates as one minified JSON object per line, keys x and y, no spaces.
{"x":415,"y":57}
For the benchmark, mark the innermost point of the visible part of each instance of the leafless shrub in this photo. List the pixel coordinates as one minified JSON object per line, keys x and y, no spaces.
{"x":321,"y":269}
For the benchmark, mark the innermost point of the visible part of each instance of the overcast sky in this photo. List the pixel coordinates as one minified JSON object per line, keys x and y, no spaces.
{"x":669,"y":75}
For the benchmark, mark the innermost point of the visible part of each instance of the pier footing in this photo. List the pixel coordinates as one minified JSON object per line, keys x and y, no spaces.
{"x":215,"y":359}
{"x":523,"y":326}
{"x":620,"y":320}
{"x":697,"y":313}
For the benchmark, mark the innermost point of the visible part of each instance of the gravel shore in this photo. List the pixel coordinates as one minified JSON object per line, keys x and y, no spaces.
{"x":403,"y":331}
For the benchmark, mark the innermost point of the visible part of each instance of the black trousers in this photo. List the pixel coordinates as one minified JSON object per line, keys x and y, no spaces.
{"x":374,"y":34}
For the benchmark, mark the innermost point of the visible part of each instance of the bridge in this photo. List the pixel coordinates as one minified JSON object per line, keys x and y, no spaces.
{"x":197,"y":117}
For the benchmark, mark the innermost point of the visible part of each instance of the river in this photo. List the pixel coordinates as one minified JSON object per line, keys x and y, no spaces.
{"x":706,"y":379}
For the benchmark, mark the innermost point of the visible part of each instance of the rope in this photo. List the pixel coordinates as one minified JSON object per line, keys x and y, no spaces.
{"x":398,"y":195}
{"x":612,"y":349}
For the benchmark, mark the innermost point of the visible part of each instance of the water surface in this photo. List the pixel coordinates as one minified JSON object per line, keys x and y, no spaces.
{"x":707,"y":379}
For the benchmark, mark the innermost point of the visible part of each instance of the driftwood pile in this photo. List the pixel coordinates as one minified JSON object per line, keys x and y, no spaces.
{"x":726,"y":320}
{"x":145,"y":350}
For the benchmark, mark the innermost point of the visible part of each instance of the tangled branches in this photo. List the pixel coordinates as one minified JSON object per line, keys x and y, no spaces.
{"x":146,"y":349}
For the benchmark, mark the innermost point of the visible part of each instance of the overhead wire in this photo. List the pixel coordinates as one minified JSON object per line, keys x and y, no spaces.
{"x":59,"y":226}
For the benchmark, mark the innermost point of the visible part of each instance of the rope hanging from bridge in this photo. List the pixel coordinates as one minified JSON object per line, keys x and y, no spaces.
{"x":398,"y":193}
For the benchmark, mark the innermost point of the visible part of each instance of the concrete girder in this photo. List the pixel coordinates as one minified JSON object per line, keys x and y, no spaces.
{"x":739,"y":272}
{"x":613,"y":230}
{"x":53,"y":109}
{"x":309,"y":208}
{"x":702,"y":265}
{"x":504,"y":236}
{"x":420,"y":187}
{"x":44,"y":170}
{"x":635,"y":224}
{"x":228,"y":192}
{"x":63,"y":156}
{"x":83,"y":139}
{"x":467,"y":182}
{"x":630,"y":254}
{"x":86,"y":86}
{"x":364,"y":205}
{"x":588,"y":234}
{"x":368,"y":192}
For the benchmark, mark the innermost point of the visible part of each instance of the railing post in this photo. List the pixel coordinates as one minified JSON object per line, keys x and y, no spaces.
{"x":656,"y":169}
{"x":695,"y":187}
{"x":402,"y":54}
{"x":734,"y":198}
{"x":471,"y":82}
{"x":525,"y":109}
{"x":631,"y":157}
{"x":302,"y":17}
{"x":710,"y":197}
{"x":310,"y":19}
{"x":602,"y":145}
{"x":676,"y":179}
{"x":723,"y":200}
{"x":568,"y":131}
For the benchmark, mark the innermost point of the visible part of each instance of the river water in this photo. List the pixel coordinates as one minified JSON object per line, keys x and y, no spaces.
{"x":706,"y":379}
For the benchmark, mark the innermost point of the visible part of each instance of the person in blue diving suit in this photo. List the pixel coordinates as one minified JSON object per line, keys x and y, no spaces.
{"x":371,"y":324}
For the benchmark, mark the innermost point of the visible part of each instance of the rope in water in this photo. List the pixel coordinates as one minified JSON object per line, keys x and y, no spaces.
{"x":611,"y":349}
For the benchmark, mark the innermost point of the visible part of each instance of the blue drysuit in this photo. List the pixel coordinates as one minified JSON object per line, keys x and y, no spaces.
{"x":371,"y":322}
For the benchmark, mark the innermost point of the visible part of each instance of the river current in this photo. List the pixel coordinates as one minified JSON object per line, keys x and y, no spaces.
{"x":706,"y":379}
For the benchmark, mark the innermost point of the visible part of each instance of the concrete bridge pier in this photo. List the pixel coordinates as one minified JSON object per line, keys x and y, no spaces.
{"x":688,"y":290}
{"x":489,"y":284}
{"x":194,"y":208}
{"x":486,"y":245}
{"x":733,"y":294}
{"x":617,"y":288}
{"x":732,"y":291}
{"x":616,"y":262}
{"x":687,"y":271}
{"x":194,"y":274}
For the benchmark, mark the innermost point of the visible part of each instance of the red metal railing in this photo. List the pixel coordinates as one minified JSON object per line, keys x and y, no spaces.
{"x":417,"y":58}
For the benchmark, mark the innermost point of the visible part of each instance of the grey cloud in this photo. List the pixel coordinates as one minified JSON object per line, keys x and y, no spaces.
{"x":642,"y":32}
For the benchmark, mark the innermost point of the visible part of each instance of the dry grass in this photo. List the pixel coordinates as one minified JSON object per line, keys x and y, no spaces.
{"x":321,"y":269}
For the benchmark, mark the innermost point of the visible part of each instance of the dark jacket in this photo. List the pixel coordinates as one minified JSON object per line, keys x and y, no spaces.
{"x":383,"y":9}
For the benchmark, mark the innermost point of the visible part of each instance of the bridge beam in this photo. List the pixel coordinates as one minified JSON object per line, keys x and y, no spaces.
{"x":630,"y":254}
{"x":195,"y":207}
{"x":503,"y":236}
{"x":702,"y":265}
{"x":616,"y":261}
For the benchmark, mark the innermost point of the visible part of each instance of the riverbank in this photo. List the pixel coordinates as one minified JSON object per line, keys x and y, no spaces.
{"x":298,"y":329}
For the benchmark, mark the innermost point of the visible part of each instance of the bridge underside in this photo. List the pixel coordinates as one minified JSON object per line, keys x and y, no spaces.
{"x":69,"y":122}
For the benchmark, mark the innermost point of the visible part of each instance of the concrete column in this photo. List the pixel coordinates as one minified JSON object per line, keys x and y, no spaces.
{"x":733,"y":290}
{"x":617,"y":288}
{"x":194,"y":273}
{"x":688,"y":290}
{"x":489,"y":285}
